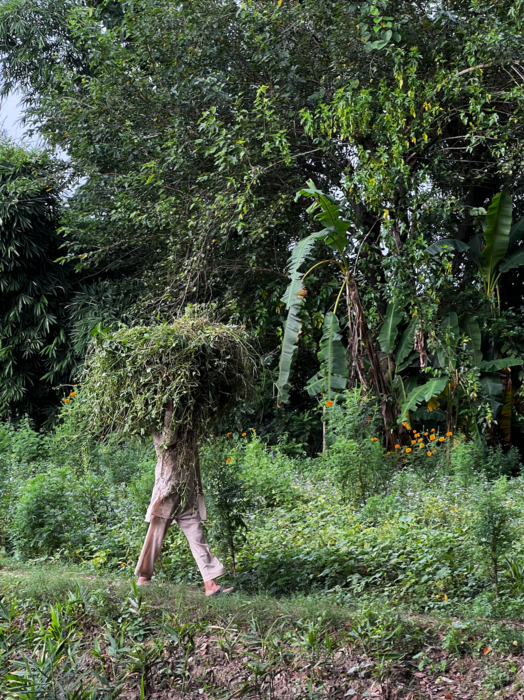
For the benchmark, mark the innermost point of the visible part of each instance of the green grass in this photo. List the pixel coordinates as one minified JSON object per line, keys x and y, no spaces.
{"x":65,"y":633}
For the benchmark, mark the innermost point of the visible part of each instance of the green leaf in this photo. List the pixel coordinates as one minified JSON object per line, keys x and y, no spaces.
{"x":406,"y":342}
{"x":516,"y":259}
{"x":453,"y":243}
{"x":516,"y":233}
{"x":299,"y":254}
{"x":499,"y":364}
{"x":332,"y":377}
{"x":472,"y":329}
{"x":408,"y":361}
{"x":422,"y":393}
{"x":335,"y":227}
{"x":496,"y":234}
{"x":493,"y":387}
{"x":289,"y":346}
{"x":389,"y":331}
{"x":450,"y":328}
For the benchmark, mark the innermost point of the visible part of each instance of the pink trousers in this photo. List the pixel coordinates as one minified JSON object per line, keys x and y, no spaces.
{"x":191,"y":525}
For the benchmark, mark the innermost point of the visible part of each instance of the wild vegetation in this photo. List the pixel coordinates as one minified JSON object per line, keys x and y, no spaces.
{"x":300,"y":225}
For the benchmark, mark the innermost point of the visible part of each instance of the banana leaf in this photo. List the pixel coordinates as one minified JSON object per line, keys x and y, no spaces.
{"x":499,"y":364}
{"x":515,"y":259}
{"x":422,"y":393}
{"x":389,"y":330}
{"x":472,"y":329}
{"x":332,"y":377}
{"x":497,"y":232}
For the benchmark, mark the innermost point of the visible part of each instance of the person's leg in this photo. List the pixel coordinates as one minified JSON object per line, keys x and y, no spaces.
{"x":151,"y":549}
{"x":210,"y":567}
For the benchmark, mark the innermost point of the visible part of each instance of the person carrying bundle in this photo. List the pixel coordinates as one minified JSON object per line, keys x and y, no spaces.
{"x":195,"y":367}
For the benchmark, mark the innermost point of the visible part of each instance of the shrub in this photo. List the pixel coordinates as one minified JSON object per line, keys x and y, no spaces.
{"x":51,"y":514}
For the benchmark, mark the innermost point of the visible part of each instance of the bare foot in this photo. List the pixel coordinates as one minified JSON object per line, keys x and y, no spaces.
{"x":212,"y":588}
{"x":143,"y":581}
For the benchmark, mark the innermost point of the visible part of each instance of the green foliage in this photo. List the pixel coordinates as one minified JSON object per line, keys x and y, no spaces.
{"x":131,"y":375}
{"x":35,"y":352}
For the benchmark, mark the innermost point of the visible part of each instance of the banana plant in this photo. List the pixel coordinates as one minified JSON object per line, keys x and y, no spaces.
{"x":500,"y":252}
{"x":332,"y":377}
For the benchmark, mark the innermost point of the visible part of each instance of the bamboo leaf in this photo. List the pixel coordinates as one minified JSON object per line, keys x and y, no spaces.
{"x":389,"y":331}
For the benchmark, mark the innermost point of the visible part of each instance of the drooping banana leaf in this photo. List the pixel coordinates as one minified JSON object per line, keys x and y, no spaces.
{"x":471,"y":328}
{"x":332,"y":377}
{"x":289,"y":346}
{"x":422,"y":393}
{"x":300,"y":253}
{"x":493,"y":388}
{"x":453,"y":243}
{"x":408,"y":361}
{"x":406,"y":342}
{"x":451,"y":332}
{"x":516,"y":233}
{"x":515,"y":259}
{"x":502,"y":363}
{"x":293,"y":299}
{"x":496,"y":234}
{"x":389,"y":330}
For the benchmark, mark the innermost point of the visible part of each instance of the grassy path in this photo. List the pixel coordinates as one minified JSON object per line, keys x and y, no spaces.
{"x":65,"y":633}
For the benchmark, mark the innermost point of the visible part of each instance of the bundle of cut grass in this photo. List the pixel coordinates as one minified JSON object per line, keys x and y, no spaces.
{"x":131,"y":375}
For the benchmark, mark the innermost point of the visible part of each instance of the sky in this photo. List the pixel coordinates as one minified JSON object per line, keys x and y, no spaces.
{"x":10,"y":114}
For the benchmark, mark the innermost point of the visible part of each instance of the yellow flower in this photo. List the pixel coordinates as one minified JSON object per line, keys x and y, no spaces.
{"x":73,"y":393}
{"x":389,"y":453}
{"x":449,"y":434}
{"x":329,"y":403}
{"x":408,"y":449}
{"x":429,"y":454}
{"x":244,"y":434}
{"x":431,"y":437}
{"x":122,"y":564}
{"x":441,"y":439}
{"x":421,"y":445}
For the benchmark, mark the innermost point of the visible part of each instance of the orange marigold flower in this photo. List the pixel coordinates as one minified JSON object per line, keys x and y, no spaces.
{"x":441,"y":439}
{"x":122,"y":564}
{"x":102,"y":437}
{"x":429,"y":454}
{"x":431,"y":437}
{"x":417,"y":435}
{"x":432,"y":430}
{"x":73,"y":393}
{"x":66,"y":400}
{"x":426,"y":433}
{"x":374,"y":439}
{"x":329,"y":403}
{"x":244,"y":434}
{"x":413,"y":442}
{"x":421,"y":445}
{"x":408,"y":449}
{"x":229,"y":434}
{"x":449,"y":434}
{"x":433,"y":451}
{"x":389,"y":453}
{"x":397,"y":447}
{"x":420,"y":440}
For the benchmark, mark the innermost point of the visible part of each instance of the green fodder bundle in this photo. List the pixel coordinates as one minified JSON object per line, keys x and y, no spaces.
{"x":132,"y":374}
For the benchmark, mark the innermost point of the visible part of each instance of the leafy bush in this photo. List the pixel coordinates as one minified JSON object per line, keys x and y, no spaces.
{"x":50,"y":515}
